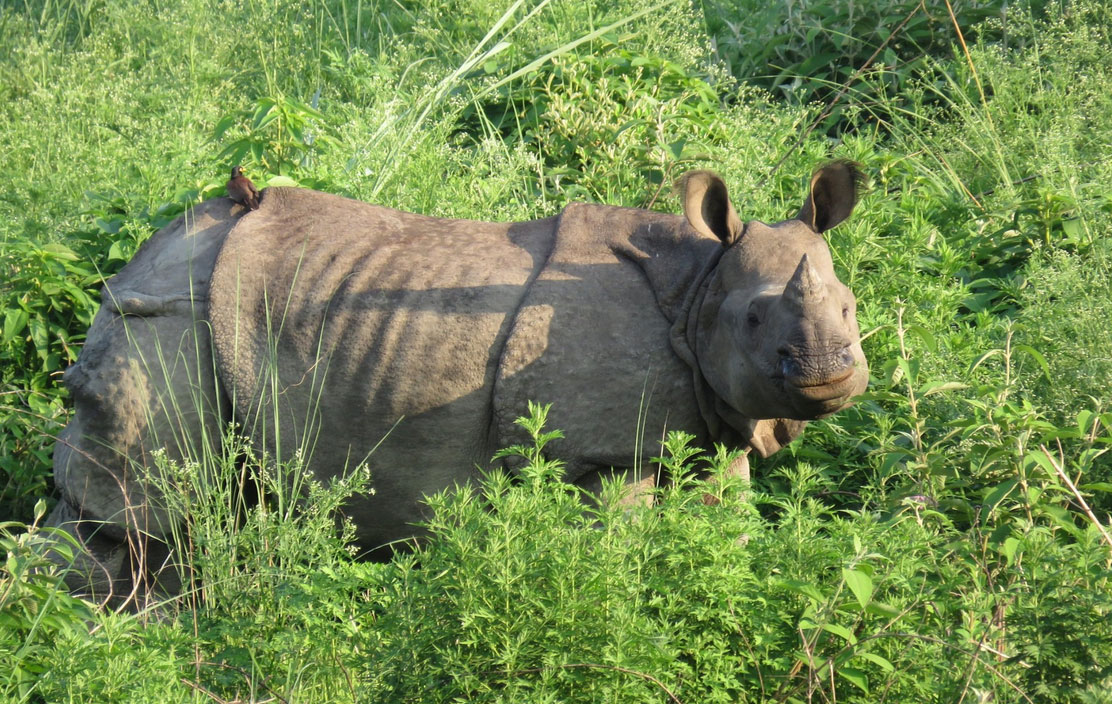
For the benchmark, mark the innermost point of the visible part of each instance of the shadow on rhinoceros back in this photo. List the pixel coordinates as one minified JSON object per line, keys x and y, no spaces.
{"x":331,"y":319}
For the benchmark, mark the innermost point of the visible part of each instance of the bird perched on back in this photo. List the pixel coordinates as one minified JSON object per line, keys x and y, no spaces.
{"x":241,"y":190}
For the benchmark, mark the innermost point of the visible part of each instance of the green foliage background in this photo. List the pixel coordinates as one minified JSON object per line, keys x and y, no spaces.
{"x":925,"y":545}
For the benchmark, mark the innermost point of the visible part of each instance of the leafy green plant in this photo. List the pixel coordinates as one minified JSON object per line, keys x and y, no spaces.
{"x":47,"y":301}
{"x":522,"y":590}
{"x":243,"y":519}
{"x":35,"y":609}
{"x":815,"y":50}
{"x":281,"y":134}
{"x":592,"y":117}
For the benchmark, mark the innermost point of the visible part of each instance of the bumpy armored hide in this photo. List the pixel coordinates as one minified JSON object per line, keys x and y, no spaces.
{"x":144,"y":381}
{"x":342,"y":327}
{"x":593,"y":338}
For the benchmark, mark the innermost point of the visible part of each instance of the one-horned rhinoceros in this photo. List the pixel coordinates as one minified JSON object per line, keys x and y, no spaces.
{"x":333,"y":327}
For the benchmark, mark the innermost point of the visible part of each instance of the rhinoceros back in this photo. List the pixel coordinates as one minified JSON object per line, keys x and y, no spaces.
{"x":334,"y":319}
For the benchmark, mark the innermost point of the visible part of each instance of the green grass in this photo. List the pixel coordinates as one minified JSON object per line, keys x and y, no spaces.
{"x":926,"y":545}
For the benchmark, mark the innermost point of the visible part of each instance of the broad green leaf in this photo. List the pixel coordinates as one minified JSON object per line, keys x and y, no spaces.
{"x":222,"y":126}
{"x":1106,"y":420}
{"x":980,"y":360}
{"x":860,"y":584}
{"x":1039,"y":457}
{"x":297,"y":134}
{"x":15,"y":320}
{"x":855,"y":676}
{"x":979,"y":302}
{"x":1060,"y":517}
{"x":282,"y":181}
{"x":1085,"y":422}
{"x":264,"y":108}
{"x":877,"y":608}
{"x":924,"y":336}
{"x":1037,"y":356}
{"x":997,"y":495}
{"x":1002,"y":531}
{"x":877,"y":660}
{"x":1072,"y":228}
{"x":938,"y":387}
{"x":910,"y":368}
{"x":893,"y":371}
{"x":267,"y":118}
{"x":110,"y":226}
{"x":116,"y":252}
{"x":312,"y":112}
{"x":60,"y":251}
{"x":40,"y":337}
{"x":840,"y":631}
{"x":805,"y":588}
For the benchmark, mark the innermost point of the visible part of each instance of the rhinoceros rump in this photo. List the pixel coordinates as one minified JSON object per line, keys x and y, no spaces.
{"x":331,"y":327}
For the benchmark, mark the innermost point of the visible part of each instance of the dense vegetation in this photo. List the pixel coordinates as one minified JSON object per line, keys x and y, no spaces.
{"x":944,"y":540}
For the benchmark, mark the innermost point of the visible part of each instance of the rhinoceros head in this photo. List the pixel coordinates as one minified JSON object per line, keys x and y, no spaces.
{"x":777,"y":332}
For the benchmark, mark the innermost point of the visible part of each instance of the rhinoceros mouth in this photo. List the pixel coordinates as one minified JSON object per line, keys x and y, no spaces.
{"x":825,"y":390}
{"x":812,"y":400}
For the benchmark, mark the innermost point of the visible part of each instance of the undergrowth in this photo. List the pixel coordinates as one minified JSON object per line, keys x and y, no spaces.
{"x":943,"y":540}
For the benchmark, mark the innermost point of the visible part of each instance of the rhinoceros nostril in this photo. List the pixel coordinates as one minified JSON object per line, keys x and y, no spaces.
{"x":847,"y":357}
{"x":788,"y":367}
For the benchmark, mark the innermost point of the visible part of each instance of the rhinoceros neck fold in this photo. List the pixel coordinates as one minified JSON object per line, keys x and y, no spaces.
{"x":685,"y":333}
{"x":671,"y":256}
{"x":592,"y":335}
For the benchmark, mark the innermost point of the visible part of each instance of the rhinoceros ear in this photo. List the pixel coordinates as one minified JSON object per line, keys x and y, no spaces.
{"x":834,"y":191}
{"x":707,"y":206}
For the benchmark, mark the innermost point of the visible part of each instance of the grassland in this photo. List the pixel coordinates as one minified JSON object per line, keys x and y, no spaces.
{"x":946,"y":539}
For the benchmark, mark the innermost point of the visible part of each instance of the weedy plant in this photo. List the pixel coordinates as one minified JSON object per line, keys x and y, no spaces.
{"x":280,"y":134}
{"x":521,"y":592}
{"x":602,"y":120}
{"x":875,"y":52}
{"x":34,"y":611}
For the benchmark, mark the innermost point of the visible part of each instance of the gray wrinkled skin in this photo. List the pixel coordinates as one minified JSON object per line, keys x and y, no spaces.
{"x":331,"y":327}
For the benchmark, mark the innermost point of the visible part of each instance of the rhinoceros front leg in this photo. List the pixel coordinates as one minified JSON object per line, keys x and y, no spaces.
{"x":738,"y":469}
{"x":638,"y":485}
{"x":142,"y":384}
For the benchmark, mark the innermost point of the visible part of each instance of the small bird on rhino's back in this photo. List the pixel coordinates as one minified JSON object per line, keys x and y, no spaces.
{"x":241,"y":190}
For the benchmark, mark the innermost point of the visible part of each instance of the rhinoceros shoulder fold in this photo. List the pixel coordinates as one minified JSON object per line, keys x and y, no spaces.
{"x":592,"y":338}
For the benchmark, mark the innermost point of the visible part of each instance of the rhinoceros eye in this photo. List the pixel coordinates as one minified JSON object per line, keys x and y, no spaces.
{"x":753,"y":320}
{"x":845,"y":311}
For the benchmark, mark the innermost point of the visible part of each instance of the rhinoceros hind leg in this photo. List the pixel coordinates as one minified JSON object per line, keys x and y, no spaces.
{"x":132,"y":573}
{"x":144,"y":383}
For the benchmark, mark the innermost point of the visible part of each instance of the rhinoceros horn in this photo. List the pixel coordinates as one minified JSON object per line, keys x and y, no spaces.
{"x":805,"y":289}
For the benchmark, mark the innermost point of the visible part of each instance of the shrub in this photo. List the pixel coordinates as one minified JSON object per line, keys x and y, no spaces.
{"x":813,"y":49}
{"x":521,"y":593}
{"x":35,"y":609}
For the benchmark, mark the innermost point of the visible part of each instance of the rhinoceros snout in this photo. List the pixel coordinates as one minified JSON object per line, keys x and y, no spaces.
{"x":816,"y":370}
{"x":819,"y":385}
